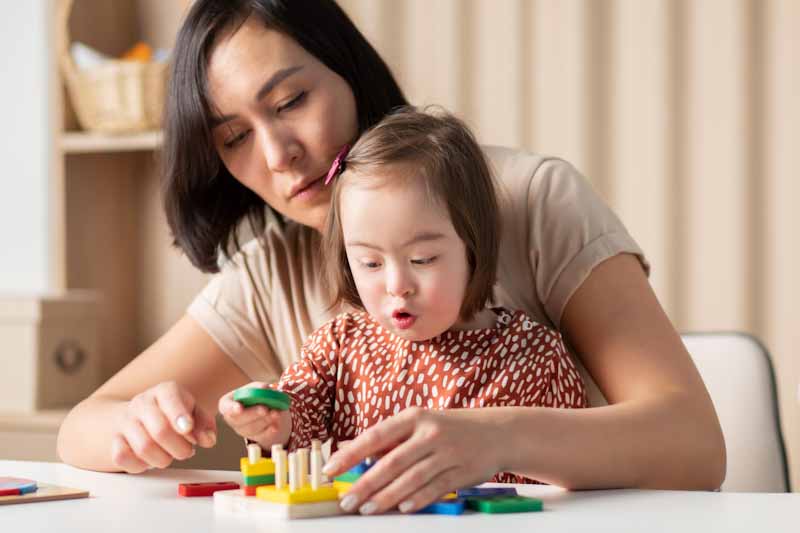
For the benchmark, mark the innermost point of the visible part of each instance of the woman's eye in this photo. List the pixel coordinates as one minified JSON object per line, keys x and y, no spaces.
{"x":235,"y":140}
{"x":424,"y":261}
{"x":293,"y":102}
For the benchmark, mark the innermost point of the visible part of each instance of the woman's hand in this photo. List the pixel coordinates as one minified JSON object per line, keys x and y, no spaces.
{"x":423,"y":456}
{"x":160,"y":425}
{"x":258,"y":423}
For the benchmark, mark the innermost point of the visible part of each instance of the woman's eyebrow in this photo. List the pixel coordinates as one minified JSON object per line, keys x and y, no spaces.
{"x":268,"y":85}
{"x":275,"y":79}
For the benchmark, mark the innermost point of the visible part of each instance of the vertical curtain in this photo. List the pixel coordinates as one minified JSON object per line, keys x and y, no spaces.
{"x":684,"y":114}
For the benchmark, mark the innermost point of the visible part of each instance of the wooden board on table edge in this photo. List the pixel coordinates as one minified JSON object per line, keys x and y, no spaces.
{"x":45,"y":493}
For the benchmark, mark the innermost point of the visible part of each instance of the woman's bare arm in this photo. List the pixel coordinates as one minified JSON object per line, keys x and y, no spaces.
{"x":660,"y":429}
{"x":130,"y":423}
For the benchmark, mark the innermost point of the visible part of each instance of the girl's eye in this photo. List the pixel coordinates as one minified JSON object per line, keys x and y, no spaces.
{"x":235,"y":140}
{"x":425,"y":261}
{"x":293,"y":102}
{"x":370,"y":264}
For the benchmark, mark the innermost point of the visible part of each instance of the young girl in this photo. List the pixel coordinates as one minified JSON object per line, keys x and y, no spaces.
{"x":411,"y":242}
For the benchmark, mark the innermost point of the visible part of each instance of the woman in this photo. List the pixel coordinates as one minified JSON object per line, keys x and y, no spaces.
{"x":263,"y":96}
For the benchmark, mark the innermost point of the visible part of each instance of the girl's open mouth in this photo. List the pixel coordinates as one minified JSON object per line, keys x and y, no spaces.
{"x":403,"y":320}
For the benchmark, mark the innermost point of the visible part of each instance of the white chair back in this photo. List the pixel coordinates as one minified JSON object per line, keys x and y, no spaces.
{"x":738,"y":373}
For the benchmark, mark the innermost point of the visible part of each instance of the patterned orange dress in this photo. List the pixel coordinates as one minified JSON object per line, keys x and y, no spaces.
{"x":353,"y":373}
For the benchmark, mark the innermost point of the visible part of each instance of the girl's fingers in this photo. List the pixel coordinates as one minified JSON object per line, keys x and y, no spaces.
{"x":145,"y":448}
{"x":247,"y":416}
{"x":228,"y":406}
{"x":373,"y":441}
{"x":254,"y":429}
{"x":125,"y":458}
{"x":163,"y":433}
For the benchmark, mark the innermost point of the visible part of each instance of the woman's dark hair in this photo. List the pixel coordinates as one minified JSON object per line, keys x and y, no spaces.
{"x":204,"y":203}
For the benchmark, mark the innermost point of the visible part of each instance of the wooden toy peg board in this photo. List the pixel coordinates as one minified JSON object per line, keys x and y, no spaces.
{"x":45,"y":493}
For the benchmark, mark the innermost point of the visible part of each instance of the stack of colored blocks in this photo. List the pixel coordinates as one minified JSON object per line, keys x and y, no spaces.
{"x":257,"y":474}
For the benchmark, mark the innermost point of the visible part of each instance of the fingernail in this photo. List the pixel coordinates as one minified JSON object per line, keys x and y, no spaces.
{"x":406,"y":506}
{"x":368,"y":508}
{"x":211,"y":437}
{"x":183,"y":423}
{"x":349,"y":502}
{"x":329,"y":467}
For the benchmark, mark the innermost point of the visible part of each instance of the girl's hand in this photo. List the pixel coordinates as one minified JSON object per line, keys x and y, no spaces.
{"x":160,"y":425}
{"x":258,"y":423}
{"x":426,"y":454}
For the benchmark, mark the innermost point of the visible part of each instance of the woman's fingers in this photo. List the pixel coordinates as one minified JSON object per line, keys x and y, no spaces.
{"x":125,"y":458}
{"x":144,"y":446}
{"x":397,"y":475}
{"x":164,"y":435}
{"x":205,"y":430}
{"x":374,"y":441}
{"x":446,"y":480}
{"x":177,"y":407}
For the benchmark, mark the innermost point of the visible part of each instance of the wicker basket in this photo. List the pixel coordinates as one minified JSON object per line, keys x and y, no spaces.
{"x":116,"y":97}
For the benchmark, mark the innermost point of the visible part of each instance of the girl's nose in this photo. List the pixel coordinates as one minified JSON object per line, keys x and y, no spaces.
{"x":399,"y":284}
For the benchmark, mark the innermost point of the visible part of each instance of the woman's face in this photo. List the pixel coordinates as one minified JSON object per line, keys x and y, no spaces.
{"x":281,"y":116}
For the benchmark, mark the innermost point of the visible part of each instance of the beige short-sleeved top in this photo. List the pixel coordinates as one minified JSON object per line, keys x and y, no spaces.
{"x":268,"y":298}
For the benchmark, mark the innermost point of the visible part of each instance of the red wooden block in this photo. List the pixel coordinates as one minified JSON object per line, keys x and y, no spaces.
{"x":10,"y":492}
{"x":205,"y":489}
{"x":250,"y":490}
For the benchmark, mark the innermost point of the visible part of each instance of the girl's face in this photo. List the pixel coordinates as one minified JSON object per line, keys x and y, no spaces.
{"x":281,"y":116}
{"x":409,"y":265}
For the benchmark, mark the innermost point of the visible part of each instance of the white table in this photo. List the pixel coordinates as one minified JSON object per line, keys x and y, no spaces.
{"x":149,"y":503}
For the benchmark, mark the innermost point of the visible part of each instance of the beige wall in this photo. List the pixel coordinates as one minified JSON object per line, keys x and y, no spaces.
{"x":683,"y":113}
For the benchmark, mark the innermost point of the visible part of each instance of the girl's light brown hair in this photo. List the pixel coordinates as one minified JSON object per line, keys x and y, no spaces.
{"x":443,"y":153}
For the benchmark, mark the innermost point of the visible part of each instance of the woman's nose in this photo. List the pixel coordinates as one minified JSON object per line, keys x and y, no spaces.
{"x":280,"y":147}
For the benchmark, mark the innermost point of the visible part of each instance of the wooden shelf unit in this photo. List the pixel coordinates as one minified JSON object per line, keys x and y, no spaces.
{"x":81,"y":142}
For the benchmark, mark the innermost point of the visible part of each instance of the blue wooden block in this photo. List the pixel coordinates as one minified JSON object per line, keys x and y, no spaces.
{"x":486,"y":492}
{"x":362,"y":467}
{"x":451,"y":507}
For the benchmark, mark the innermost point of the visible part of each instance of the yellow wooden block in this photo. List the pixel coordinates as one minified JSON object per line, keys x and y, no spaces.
{"x":304,"y":495}
{"x":342,"y":487}
{"x":450,"y":496}
{"x":263,"y":467}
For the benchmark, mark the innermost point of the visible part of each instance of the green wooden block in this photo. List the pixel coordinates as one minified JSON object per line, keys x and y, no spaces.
{"x":505,"y":504}
{"x":255,"y":481}
{"x":271,"y":398}
{"x":350,"y":477}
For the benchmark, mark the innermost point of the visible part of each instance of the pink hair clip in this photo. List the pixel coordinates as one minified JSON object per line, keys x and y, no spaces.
{"x":338,"y":164}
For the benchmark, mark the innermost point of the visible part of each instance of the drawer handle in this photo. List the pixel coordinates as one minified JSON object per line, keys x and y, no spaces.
{"x":69,"y":356}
